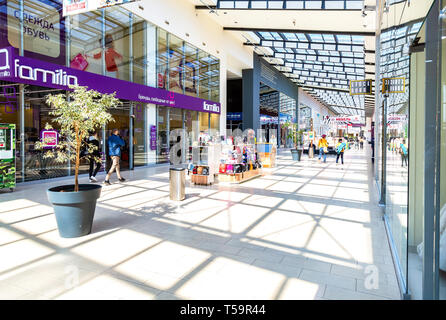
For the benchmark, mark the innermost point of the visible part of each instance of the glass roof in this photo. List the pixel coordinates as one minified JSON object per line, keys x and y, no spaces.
{"x":320,"y":61}
{"x":291,"y":4}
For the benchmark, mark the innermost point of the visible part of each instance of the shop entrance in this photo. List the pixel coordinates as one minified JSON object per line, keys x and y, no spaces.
{"x":121,"y":116}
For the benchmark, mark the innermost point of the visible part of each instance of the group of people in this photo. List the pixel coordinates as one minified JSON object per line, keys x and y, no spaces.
{"x":114,"y":143}
{"x":323,"y":149}
{"x":358,"y":143}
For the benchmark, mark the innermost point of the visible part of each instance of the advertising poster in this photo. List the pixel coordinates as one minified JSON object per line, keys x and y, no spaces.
{"x":43,"y":29}
{"x":50,"y":138}
{"x":71,"y":7}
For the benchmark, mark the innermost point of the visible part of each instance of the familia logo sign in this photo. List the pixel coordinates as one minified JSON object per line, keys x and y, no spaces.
{"x":211,"y":107}
{"x":55,"y":75}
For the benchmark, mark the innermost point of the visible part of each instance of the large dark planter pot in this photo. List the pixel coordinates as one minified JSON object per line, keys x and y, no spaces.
{"x":296,"y":154}
{"x":74,"y":210}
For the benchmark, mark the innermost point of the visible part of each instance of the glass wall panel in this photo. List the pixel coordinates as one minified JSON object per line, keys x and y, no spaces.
{"x":10,"y":114}
{"x":36,"y":117}
{"x":443,"y":157}
{"x":86,"y":42}
{"x":175,"y":122}
{"x":204,"y":122}
{"x":176,"y":62}
{"x":287,"y":107}
{"x":191,"y":70}
{"x":203,"y":75}
{"x":43,"y":29}
{"x":140,"y":145}
{"x":162,"y":145}
{"x":162,"y":66}
{"x":400,"y":25}
{"x":139,"y":50}
{"x":215,"y":122}
{"x":191,"y":126}
{"x":121,"y":122}
{"x":214,"y":79}
{"x":117,"y":43}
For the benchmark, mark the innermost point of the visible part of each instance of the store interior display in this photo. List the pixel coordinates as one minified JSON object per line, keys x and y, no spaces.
{"x":205,"y":159}
{"x":238,"y":162}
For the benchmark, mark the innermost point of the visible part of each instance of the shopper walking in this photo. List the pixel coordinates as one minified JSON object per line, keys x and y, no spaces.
{"x":323,"y":148}
{"x":404,"y":153}
{"x":93,"y":156}
{"x":340,"y":148}
{"x":115,"y":143}
{"x":361,"y":143}
{"x":311,"y":150}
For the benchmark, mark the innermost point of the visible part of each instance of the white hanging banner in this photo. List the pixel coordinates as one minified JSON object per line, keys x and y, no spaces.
{"x":71,"y":7}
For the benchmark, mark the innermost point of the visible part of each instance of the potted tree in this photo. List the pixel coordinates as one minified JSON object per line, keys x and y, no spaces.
{"x":76,"y":114}
{"x":296,"y":136}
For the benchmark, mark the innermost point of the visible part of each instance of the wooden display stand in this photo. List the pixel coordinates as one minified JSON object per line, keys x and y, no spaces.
{"x":205,"y":156}
{"x":201,"y":179}
{"x":230,"y":177}
{"x":239,"y":177}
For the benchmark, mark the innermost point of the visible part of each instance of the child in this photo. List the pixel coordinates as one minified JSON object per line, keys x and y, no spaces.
{"x":340,"y":148}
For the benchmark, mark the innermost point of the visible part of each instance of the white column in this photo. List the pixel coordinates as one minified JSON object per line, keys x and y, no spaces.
{"x":223,"y":86}
{"x":151,"y":44}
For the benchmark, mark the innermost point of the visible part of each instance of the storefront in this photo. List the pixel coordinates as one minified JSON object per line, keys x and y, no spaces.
{"x":411,"y":143}
{"x":163,"y":82}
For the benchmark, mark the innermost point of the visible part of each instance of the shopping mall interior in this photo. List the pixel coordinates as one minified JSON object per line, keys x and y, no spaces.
{"x":256,"y":150}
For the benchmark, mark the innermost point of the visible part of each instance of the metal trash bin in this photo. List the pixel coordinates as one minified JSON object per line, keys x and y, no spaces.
{"x":177,"y":178}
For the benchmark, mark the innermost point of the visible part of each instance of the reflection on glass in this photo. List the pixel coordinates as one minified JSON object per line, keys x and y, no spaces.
{"x":162,"y":145}
{"x":117,"y":55}
{"x":203,"y":76}
{"x":10,"y":114}
{"x":443,"y":158}
{"x":162,"y":72}
{"x":203,"y":119}
{"x":214,"y":79}
{"x":176,"y":57}
{"x":122,"y":123}
{"x":190,"y":73}
{"x":191,"y":126}
{"x":175,"y":123}
{"x":36,"y":117}
{"x":269,"y":112}
{"x":139,"y":55}
{"x":41,"y":38}
{"x":287,"y":106}
{"x":86,"y":42}
{"x":139,"y":135}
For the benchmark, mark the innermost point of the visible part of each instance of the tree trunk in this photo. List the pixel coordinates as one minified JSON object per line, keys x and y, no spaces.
{"x":76,"y":167}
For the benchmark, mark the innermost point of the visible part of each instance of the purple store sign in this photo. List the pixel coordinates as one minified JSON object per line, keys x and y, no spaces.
{"x":152,"y":137}
{"x":15,"y":68}
{"x":50,"y":138}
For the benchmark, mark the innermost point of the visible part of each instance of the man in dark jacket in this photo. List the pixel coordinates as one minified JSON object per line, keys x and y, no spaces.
{"x":115,"y":142}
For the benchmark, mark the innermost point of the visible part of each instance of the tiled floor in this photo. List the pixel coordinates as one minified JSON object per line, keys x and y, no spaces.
{"x":302,"y":231}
